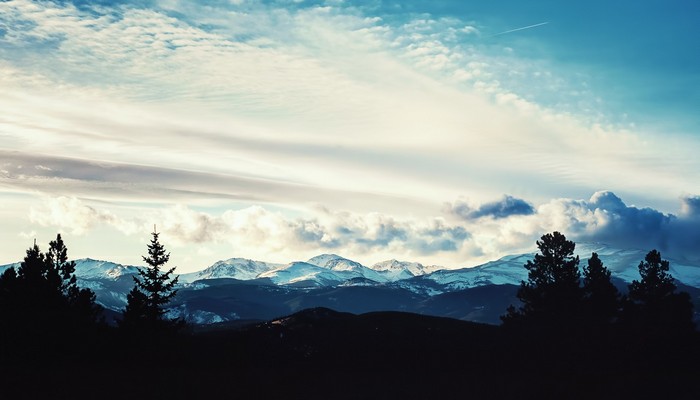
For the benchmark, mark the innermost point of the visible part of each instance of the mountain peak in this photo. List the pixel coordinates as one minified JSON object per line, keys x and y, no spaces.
{"x":322,"y":260}
{"x":236,"y":268}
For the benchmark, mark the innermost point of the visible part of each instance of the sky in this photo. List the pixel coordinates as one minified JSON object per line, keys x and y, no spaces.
{"x":444,"y":132}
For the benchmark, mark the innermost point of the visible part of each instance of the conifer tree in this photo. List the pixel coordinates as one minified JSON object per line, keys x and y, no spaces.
{"x":551,"y":294}
{"x":653,"y":301}
{"x":656,"y":283}
{"x":62,"y":275}
{"x":154,"y":288}
{"x":601,"y":297}
{"x":35,"y":275}
{"x":62,"y":270}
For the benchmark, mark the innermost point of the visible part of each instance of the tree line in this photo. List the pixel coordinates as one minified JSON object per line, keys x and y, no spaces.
{"x":559,"y":296}
{"x":42,"y":298}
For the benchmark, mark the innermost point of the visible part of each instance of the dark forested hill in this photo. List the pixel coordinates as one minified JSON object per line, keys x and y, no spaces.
{"x":322,"y":354}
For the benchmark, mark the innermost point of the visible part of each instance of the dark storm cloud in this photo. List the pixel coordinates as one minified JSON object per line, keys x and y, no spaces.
{"x":504,"y":208}
{"x":690,"y":207}
{"x":644,"y":228}
{"x":629,"y":226}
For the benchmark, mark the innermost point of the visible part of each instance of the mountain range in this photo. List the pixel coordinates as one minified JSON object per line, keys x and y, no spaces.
{"x":238,"y":290}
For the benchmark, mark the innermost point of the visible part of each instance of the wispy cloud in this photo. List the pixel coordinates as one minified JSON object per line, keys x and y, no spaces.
{"x":247,"y":107}
{"x":298,"y":87}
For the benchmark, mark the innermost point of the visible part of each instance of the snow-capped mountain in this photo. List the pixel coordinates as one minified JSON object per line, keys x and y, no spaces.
{"x":622,"y":263}
{"x":110,"y":281}
{"x":321,"y":270}
{"x":87,"y":268}
{"x":305,"y":274}
{"x":236,"y":268}
{"x":395,"y":270}
{"x":332,"y":269}
{"x":507,"y":270}
{"x":350,"y":269}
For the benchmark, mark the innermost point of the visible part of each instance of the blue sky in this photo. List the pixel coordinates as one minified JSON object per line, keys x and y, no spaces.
{"x":445,"y":132}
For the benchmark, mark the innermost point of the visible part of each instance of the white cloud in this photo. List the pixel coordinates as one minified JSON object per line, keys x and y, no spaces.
{"x":603,"y":218}
{"x":491,"y":230}
{"x":75,"y":216}
{"x":469,"y":30}
{"x":257,"y":232}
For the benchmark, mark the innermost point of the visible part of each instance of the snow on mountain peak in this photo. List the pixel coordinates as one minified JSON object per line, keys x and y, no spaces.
{"x":236,"y":268}
{"x":87,"y":268}
{"x":323,"y":260}
{"x":303,"y":273}
{"x":402,"y":269}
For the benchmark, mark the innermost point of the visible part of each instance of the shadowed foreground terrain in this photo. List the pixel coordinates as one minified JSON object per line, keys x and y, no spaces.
{"x":320,"y":353}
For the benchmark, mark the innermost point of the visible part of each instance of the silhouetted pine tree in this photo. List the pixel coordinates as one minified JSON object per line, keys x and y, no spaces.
{"x":653,"y":301}
{"x":35,"y":275}
{"x":61,"y":274}
{"x":62,"y":270}
{"x":39,"y":296}
{"x":551,"y":295}
{"x":154,"y":288}
{"x":657,"y":282}
{"x":601,"y":300}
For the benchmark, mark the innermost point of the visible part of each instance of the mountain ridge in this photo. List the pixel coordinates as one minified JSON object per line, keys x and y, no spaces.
{"x":238,"y":288}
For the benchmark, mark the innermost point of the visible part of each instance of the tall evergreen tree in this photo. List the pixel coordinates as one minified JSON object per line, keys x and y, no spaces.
{"x":656,"y":283}
{"x":35,"y":275}
{"x":62,"y":275}
{"x":154,"y":288}
{"x":62,"y":270}
{"x":653,"y":300}
{"x":551,"y":294}
{"x":601,"y":298}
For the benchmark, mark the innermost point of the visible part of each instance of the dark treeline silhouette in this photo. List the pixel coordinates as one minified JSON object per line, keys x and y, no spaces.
{"x":556,"y":297}
{"x":43,"y":311}
{"x":573,"y":336}
{"x":41,"y":305}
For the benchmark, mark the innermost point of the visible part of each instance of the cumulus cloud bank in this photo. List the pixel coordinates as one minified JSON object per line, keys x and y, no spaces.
{"x":606,"y":218}
{"x":269,"y":233}
{"x":343,"y":232}
{"x":485,"y":232}
{"x":73,"y":215}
